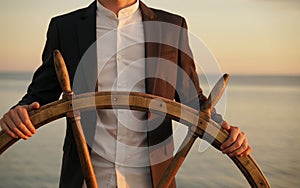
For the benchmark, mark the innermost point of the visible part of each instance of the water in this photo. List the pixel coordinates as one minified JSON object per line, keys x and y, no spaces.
{"x":266,"y":108}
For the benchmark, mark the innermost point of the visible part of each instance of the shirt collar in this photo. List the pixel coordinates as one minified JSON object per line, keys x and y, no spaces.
{"x":125,"y":12}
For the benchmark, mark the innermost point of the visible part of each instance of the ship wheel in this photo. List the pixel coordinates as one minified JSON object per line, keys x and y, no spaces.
{"x":199,"y":123}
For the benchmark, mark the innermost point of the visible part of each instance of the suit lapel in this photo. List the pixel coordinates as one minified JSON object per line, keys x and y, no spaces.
{"x":86,"y":33}
{"x":152,"y":32}
{"x":86,"y":28}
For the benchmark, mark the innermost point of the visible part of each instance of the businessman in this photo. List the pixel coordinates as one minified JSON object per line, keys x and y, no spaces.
{"x":99,"y":43}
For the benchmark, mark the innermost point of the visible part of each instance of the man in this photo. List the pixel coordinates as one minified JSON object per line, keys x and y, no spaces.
{"x":74,"y":34}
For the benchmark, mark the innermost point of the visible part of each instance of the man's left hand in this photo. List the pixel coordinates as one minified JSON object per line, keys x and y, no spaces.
{"x":237,"y":143}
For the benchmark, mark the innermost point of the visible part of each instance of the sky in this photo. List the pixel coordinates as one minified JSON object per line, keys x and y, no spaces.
{"x":245,"y":36}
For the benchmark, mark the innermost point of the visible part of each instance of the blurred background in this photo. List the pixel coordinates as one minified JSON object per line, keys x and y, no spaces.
{"x":246,"y":36}
{"x":255,"y":41}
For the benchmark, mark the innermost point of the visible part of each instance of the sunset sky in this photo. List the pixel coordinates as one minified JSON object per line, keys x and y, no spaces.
{"x":245,"y":36}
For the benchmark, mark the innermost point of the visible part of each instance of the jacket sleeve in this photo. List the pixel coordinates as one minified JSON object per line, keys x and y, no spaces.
{"x":188,"y":88}
{"x":44,"y":87}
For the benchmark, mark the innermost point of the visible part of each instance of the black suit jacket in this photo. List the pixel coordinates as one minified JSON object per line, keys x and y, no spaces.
{"x":74,"y":35}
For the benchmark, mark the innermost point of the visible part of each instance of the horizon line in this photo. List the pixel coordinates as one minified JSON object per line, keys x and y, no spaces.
{"x":212,"y":74}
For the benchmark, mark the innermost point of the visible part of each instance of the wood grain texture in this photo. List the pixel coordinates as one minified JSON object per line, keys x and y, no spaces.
{"x":206,"y":108}
{"x":83,"y":153}
{"x":61,"y":72}
{"x":215,"y":94}
{"x":141,"y":101}
{"x":74,"y":119}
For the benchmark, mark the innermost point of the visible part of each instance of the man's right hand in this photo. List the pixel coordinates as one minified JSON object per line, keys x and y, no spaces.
{"x":16,"y":122}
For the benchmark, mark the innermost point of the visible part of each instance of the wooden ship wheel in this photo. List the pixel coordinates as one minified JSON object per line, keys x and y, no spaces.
{"x":199,"y":123}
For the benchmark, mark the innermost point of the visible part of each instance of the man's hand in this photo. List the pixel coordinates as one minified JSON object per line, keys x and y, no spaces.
{"x":237,"y":143}
{"x":16,"y":122}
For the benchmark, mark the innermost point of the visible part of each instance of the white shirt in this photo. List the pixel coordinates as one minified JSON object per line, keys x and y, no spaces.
{"x":119,"y":152}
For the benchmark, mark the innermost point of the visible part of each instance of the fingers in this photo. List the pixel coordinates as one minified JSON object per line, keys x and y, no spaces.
{"x":236,"y":144}
{"x":17,"y":123}
{"x":238,"y":147}
{"x":225,"y":125}
{"x":33,"y":106}
{"x":246,"y":152}
{"x":10,"y":125}
{"x":6,"y":129}
{"x":234,"y":132}
{"x":25,"y":116}
{"x":25,"y":120}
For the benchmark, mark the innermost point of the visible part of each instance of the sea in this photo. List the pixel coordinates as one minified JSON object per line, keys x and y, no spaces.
{"x":266,"y":108}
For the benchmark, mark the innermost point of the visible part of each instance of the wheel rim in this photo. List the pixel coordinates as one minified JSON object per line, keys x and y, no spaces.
{"x":141,"y":101}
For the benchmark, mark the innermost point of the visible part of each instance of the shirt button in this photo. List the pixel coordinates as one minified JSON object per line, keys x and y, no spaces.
{"x":119,"y":57}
